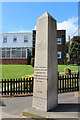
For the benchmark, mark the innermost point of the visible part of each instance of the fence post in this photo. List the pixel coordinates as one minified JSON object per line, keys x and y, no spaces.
{"x":32,"y":83}
{"x":5,"y":87}
{"x":77,"y":82}
{"x":18,"y":86}
{"x":10,"y":87}
{"x":70,"y":82}
{"x":60,"y":83}
{"x":14,"y":86}
{"x":65,"y":83}
{"x":24,"y":85}
{"x":21,"y":85}
{"x":2,"y":86}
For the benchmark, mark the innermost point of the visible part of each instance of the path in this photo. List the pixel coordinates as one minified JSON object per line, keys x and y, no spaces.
{"x":71,"y":72}
{"x":13,"y":107}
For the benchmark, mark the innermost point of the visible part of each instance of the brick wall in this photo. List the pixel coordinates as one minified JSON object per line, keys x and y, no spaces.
{"x":62,"y":34}
{"x":14,"y":61}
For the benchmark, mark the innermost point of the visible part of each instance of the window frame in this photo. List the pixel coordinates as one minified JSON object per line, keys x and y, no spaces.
{"x":13,"y":53}
{"x":5,"y":37}
{"x":14,"y":38}
{"x":59,"y":53}
{"x":26,"y":37}
{"x":59,"y":41}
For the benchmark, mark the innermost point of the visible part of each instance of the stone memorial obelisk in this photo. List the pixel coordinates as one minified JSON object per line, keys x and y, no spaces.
{"x":45,"y":95}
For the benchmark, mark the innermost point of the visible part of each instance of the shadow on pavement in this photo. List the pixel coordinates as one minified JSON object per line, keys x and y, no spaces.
{"x":67,"y":108}
{"x":2,"y":103}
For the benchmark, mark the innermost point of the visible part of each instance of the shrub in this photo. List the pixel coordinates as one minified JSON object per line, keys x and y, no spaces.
{"x":27,"y":76}
{"x":29,"y":86}
{"x":32,"y":61}
{"x":67,"y":71}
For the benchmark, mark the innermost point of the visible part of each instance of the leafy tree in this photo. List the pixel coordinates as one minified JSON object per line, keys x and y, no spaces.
{"x":75,"y":48}
{"x":67,"y":46}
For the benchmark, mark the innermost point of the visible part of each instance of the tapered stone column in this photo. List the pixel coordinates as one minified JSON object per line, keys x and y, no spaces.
{"x":45,"y":95}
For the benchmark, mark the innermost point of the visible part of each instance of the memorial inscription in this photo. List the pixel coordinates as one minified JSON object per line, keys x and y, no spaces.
{"x":40,"y":73}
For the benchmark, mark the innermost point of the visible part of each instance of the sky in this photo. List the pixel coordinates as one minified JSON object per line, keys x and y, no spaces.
{"x":22,"y":16}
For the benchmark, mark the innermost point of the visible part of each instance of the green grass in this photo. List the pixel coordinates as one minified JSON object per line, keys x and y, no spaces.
{"x":72,"y":67}
{"x":17,"y":71}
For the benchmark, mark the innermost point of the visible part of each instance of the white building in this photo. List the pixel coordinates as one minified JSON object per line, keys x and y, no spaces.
{"x":15,"y":46}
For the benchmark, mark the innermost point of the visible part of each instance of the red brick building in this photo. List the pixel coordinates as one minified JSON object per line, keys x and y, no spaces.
{"x":61,"y":45}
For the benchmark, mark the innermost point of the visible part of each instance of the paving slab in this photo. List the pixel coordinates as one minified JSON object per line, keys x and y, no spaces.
{"x":67,"y":106}
{"x":33,"y":113}
{"x":14,"y":106}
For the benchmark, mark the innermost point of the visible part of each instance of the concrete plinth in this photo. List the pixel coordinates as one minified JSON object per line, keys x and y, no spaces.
{"x":67,"y":108}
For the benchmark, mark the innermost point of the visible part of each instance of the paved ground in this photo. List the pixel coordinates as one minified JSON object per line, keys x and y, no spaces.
{"x":13,"y":107}
{"x":71,"y":72}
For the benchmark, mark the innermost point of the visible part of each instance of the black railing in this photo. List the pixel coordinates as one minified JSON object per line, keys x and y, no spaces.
{"x":11,"y":87}
{"x":16,"y":86}
{"x":68,"y":83}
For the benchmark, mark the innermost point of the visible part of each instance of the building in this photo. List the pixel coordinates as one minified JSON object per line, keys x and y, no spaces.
{"x":15,"y":48}
{"x":61,"y":45}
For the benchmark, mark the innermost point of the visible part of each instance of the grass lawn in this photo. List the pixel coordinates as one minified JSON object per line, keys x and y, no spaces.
{"x":72,"y":67}
{"x":17,"y":71}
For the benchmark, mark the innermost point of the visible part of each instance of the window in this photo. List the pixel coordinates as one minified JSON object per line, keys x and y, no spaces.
{"x":5,"y":39}
{"x":15,"y":39}
{"x":18,"y":55}
{"x":59,"y":55}
{"x":3,"y":52}
{"x":13,"y":52}
{"x":25,"y":39}
{"x":58,"y":40}
{"x":8,"y":53}
{"x":23,"y":52}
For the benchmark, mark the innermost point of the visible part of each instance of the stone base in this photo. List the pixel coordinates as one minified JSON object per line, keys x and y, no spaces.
{"x":33,"y":113}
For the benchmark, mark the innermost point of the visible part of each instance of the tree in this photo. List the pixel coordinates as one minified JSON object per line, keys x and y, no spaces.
{"x":67,"y":51}
{"x":75,"y":48}
{"x":67,"y":46}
